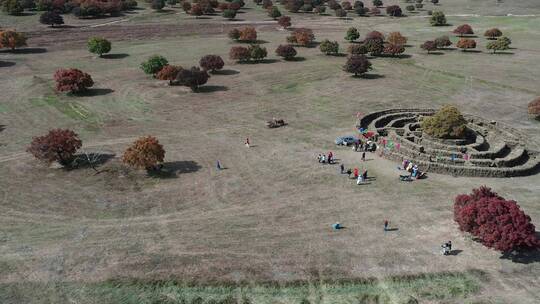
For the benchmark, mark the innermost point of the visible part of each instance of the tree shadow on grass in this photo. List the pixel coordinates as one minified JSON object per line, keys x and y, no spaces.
{"x":436,"y":53}
{"x":26,"y":51}
{"x":523,"y":257}
{"x":173,"y":169}
{"x":262,"y":61}
{"x":296,"y":59}
{"x":63,"y":26}
{"x":2,"y":128}
{"x":5,"y":64}
{"x":369,"y":76}
{"x":212,"y":88}
{"x":226,"y":72}
{"x":115,"y":56}
{"x":95,"y":92}
{"x":502,"y":53}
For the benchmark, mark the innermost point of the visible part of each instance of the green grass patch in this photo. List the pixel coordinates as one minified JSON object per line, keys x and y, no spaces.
{"x":399,"y":289}
{"x":70,"y":109}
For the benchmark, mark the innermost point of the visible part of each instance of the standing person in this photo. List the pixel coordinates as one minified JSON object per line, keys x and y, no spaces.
{"x":355,"y":173}
{"x":218,"y":165}
{"x":363,"y":156}
{"x":330,"y":157}
{"x":319,"y":157}
{"x":385,"y":225}
{"x":342,"y":168}
{"x":364,"y":174}
{"x":449,"y":246}
{"x":247,"y":142}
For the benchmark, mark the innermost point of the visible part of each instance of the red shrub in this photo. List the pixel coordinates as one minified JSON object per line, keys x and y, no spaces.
{"x":72,"y":80}
{"x":463,"y":29}
{"x":374,"y":35}
{"x":496,"y":222}
{"x":284,"y":21}
{"x":239,"y":53}
{"x":168,"y":72}
{"x":211,"y":63}
{"x":248,"y":34}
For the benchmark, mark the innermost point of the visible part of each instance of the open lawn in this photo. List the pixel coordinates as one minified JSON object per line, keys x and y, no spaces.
{"x":64,"y":234}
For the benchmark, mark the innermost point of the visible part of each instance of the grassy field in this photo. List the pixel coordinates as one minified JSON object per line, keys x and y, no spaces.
{"x":65,"y":234}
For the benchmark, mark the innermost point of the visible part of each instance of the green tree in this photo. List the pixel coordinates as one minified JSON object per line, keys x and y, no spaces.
{"x":446,"y":123}
{"x":257,"y":52}
{"x":154,"y":64}
{"x":274,"y":13}
{"x":501,"y":44}
{"x":229,"y":14}
{"x":12,"y":7}
{"x":329,"y":47}
{"x":437,"y":18}
{"x":352,"y":34}
{"x":99,"y":46}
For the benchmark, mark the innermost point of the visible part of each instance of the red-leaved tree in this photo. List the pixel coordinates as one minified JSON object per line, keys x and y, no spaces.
{"x":211,"y":63}
{"x":144,"y":153}
{"x":496,"y":222}
{"x":57,"y":145}
{"x":72,"y":80}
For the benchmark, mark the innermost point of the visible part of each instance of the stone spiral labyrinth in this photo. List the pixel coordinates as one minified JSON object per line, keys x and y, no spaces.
{"x":489,"y":150}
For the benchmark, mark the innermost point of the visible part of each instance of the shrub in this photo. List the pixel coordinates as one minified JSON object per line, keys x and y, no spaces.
{"x":346,"y":5}
{"x":429,"y":46}
{"x":284,"y":21}
{"x":393,"y":49}
{"x":211,"y":63}
{"x":500,"y":44}
{"x":361,"y":11}
{"x":375,"y":11}
{"x":267,"y":4}
{"x":172,"y":2}
{"x":274,"y":12}
{"x":239,"y":53}
{"x":464,"y":44}
{"x":168,"y":72}
{"x":463,"y":30}
{"x":72,"y":80}
{"x":394,"y":11}
{"x":257,"y":52}
{"x":144,"y":153}
{"x":396,"y":38}
{"x":248,"y":34}
{"x":533,"y":109}
{"x":302,"y":37}
{"x":494,"y":221}
{"x":286,"y":51}
{"x":357,"y":49}
{"x":375,"y":46}
{"x":320,"y":9}
{"x":358,"y":4}
{"x":333,"y":5}
{"x":410,"y":8}
{"x":196,"y":10}
{"x":357,"y":64}
{"x":435,"y":2}
{"x":493,"y":33}
{"x":419,"y":5}
{"x":442,"y":42}
{"x":154,"y":64}
{"x":352,"y":34}
{"x":186,"y":7}
{"x":51,"y":18}
{"x":12,"y":7}
{"x":437,"y":18}
{"x":192,"y":78}
{"x":99,"y":46}
{"x":377,"y":3}
{"x":157,"y":4}
{"x":234,"y":34}
{"x":375,"y":35}
{"x":446,"y":123}
{"x":329,"y":47}
{"x":341,"y":13}
{"x":306,"y":8}
{"x":11,"y":39}
{"x":58,"y":145}
{"x":229,"y":14}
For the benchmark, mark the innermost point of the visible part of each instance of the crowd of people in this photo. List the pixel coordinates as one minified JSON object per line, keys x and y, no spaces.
{"x":412,"y":169}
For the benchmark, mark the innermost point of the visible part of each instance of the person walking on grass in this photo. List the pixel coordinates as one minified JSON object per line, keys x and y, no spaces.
{"x":218,"y":165}
{"x":385,"y":225}
{"x":342,"y":168}
{"x":363,"y":156}
{"x":247,"y":142}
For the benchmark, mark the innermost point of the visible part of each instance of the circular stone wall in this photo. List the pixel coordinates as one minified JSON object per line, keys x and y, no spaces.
{"x":490,"y":150}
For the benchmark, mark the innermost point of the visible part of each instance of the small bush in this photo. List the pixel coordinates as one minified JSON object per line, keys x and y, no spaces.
{"x":144,"y":153}
{"x":357,"y":49}
{"x":465,"y":44}
{"x":248,"y":34}
{"x":192,"y":78}
{"x":72,"y":80}
{"x":51,"y":18}
{"x":157,"y":5}
{"x":493,"y":33}
{"x":533,"y":108}
{"x":229,"y":14}
{"x":463,"y":30}
{"x":284,"y":21}
{"x":286,"y":51}
{"x":329,"y":47}
{"x":377,"y":3}
{"x":168,"y":72}
{"x":257,"y":52}
{"x":375,"y":46}
{"x":239,"y":53}
{"x":437,"y":18}
{"x":58,"y":145}
{"x":443,"y":42}
{"x":394,"y":11}
{"x":396,"y":38}
{"x":211,"y":63}
{"x":274,"y":12}
{"x":302,"y":37}
{"x":154,"y":64}
{"x":341,"y":13}
{"x":500,"y":44}
{"x":393,"y":49}
{"x":12,"y":39}
{"x":357,"y":65}
{"x":352,"y":34}
{"x":429,"y":46}
{"x":99,"y":46}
